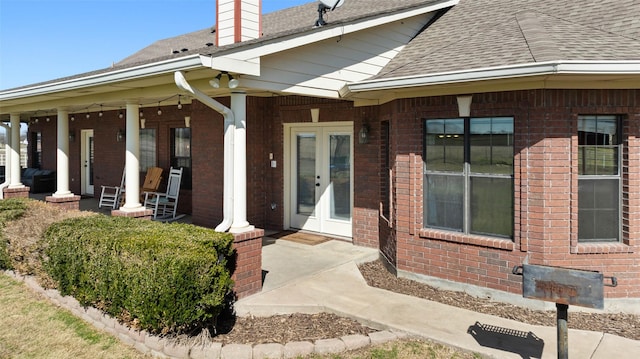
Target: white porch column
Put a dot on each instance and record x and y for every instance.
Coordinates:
(62, 169)
(15, 151)
(239, 109)
(132, 159)
(7, 156)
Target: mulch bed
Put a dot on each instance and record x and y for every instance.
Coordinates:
(624, 325)
(305, 327)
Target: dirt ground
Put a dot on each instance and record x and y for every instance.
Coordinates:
(302, 327)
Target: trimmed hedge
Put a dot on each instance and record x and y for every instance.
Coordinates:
(10, 209)
(163, 277)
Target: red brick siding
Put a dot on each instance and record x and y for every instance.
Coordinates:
(247, 273)
(545, 191)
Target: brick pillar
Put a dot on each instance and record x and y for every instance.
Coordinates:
(247, 273)
(20, 192)
(143, 213)
(67, 202)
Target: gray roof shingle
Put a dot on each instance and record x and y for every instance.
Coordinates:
(472, 34)
(294, 20)
(487, 33)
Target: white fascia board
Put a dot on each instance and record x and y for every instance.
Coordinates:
(329, 31)
(109, 77)
(230, 64)
(497, 73)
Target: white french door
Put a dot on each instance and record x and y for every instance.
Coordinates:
(86, 159)
(321, 178)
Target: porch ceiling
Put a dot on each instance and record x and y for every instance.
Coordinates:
(147, 91)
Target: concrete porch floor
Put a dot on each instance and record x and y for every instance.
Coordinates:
(91, 204)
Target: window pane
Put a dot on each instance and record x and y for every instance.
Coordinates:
(147, 148)
(598, 209)
(443, 203)
(182, 144)
(445, 145)
(492, 206)
(598, 160)
(181, 154)
(598, 140)
(491, 145)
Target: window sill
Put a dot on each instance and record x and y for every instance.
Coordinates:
(476, 240)
(602, 248)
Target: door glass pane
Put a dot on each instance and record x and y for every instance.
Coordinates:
(340, 176)
(492, 206)
(91, 155)
(444, 201)
(306, 174)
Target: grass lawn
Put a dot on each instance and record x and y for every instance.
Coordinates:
(32, 327)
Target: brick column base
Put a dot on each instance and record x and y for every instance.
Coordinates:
(247, 273)
(143, 213)
(68, 203)
(20, 192)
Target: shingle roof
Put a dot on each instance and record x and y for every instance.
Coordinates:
(472, 34)
(290, 21)
(487, 33)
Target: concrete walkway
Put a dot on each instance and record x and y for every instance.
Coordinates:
(325, 277)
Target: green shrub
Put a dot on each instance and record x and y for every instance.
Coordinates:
(166, 277)
(10, 209)
(5, 259)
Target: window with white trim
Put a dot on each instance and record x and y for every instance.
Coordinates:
(468, 175)
(599, 178)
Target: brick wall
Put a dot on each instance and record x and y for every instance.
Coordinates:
(247, 267)
(545, 218)
(109, 154)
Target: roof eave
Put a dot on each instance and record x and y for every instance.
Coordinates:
(496, 73)
(105, 78)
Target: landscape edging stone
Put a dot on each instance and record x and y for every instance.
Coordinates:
(160, 347)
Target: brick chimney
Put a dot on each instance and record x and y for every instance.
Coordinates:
(237, 21)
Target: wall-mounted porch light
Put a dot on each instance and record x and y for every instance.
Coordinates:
(120, 135)
(363, 135)
(142, 122)
(187, 121)
(72, 136)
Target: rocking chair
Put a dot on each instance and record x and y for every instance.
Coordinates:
(111, 195)
(151, 181)
(165, 205)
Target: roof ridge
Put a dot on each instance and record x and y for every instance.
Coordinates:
(541, 45)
